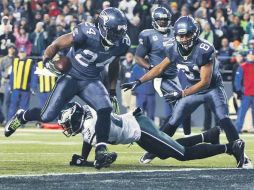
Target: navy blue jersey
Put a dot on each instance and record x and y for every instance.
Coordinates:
(203, 53)
(88, 55)
(153, 44)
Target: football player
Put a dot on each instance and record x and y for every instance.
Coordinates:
(152, 43)
(91, 48)
(136, 127)
(196, 57)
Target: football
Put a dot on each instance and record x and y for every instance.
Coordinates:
(63, 64)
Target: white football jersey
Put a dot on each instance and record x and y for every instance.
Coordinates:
(124, 129)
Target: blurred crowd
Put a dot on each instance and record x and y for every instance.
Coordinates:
(29, 26)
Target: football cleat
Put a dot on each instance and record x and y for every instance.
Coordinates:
(14, 123)
(247, 162)
(238, 152)
(103, 158)
(147, 158)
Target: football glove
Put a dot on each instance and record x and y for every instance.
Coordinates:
(173, 96)
(51, 67)
(114, 102)
(80, 161)
(131, 85)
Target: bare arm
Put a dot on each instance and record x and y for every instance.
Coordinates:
(156, 71)
(62, 42)
(142, 62)
(205, 79)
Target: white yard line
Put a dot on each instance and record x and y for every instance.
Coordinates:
(119, 172)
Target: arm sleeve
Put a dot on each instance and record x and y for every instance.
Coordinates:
(238, 79)
(208, 57)
(143, 46)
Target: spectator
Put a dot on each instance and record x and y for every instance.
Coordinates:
(207, 34)
(236, 32)
(20, 81)
(224, 55)
(250, 27)
(145, 94)
(53, 9)
(175, 13)
(38, 40)
(245, 89)
(128, 99)
(6, 36)
(5, 71)
(22, 40)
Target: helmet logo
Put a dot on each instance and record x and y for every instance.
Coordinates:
(182, 30)
(104, 17)
(124, 27)
(66, 114)
(160, 15)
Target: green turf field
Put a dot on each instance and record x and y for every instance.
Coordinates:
(39, 151)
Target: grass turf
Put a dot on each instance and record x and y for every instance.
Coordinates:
(38, 151)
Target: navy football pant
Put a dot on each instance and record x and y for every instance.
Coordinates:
(92, 92)
(217, 100)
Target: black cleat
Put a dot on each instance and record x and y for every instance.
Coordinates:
(103, 158)
(212, 135)
(147, 158)
(238, 152)
(14, 123)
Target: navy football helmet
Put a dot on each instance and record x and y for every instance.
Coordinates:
(161, 19)
(72, 118)
(186, 32)
(112, 25)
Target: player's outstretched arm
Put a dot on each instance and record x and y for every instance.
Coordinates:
(154, 72)
(62, 42)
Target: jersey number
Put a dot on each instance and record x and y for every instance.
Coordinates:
(86, 57)
(204, 46)
(186, 71)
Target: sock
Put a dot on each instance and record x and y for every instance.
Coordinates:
(230, 130)
(190, 141)
(169, 129)
(203, 151)
(102, 126)
(33, 114)
(229, 148)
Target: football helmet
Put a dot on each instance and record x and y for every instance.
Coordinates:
(72, 118)
(186, 32)
(161, 19)
(112, 25)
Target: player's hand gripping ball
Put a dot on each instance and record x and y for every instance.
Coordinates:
(63, 64)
